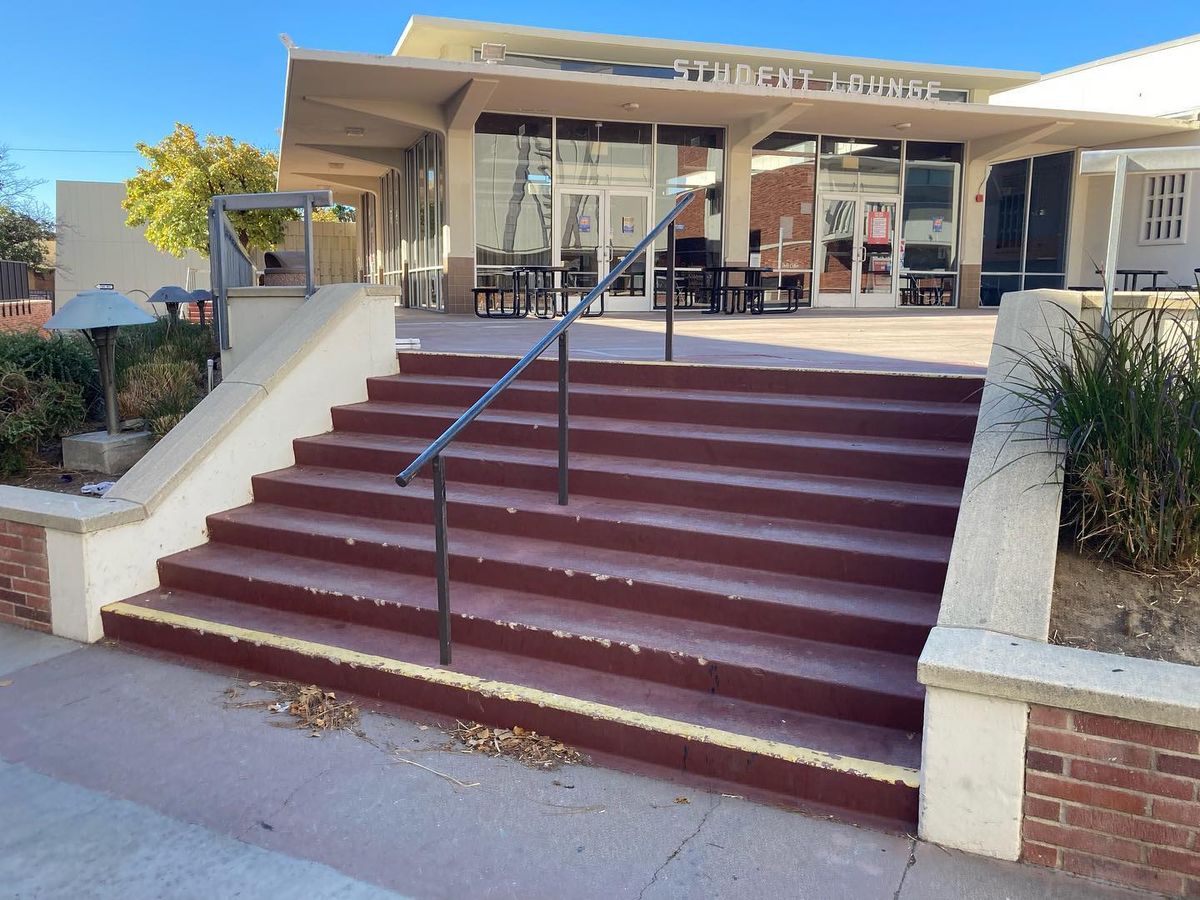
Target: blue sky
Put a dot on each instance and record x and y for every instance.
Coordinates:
(98, 76)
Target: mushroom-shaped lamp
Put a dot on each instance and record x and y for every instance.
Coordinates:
(98, 314)
(171, 295)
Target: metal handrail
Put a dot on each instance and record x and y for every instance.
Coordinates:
(433, 453)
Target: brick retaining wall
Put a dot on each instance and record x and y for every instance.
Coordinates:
(1113, 799)
(24, 575)
(19, 315)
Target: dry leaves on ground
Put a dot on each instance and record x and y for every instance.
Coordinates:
(527, 747)
(309, 706)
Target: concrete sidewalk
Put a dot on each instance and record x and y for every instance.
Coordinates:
(897, 340)
(124, 776)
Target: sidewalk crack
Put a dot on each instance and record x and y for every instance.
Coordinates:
(674, 853)
(912, 861)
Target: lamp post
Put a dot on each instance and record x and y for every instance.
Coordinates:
(99, 314)
(171, 296)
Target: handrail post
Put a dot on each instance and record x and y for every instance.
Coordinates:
(443, 562)
(669, 350)
(563, 430)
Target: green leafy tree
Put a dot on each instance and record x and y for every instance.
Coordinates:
(170, 195)
(339, 212)
(23, 236)
(25, 225)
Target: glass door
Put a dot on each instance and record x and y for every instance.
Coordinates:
(856, 252)
(837, 251)
(596, 228)
(877, 254)
(579, 234)
(628, 220)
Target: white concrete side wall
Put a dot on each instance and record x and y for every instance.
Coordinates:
(319, 358)
(1179, 260)
(95, 246)
(1157, 81)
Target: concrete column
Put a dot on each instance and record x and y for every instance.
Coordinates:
(735, 211)
(973, 772)
(459, 231)
(970, 251)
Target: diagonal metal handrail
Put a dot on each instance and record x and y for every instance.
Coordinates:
(432, 455)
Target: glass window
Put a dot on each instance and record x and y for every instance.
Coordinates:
(608, 153)
(512, 192)
(865, 165)
(688, 158)
(424, 163)
(1025, 219)
(782, 193)
(1049, 209)
(932, 183)
(1004, 216)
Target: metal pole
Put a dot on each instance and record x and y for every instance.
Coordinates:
(443, 562)
(563, 389)
(309, 272)
(669, 351)
(1114, 239)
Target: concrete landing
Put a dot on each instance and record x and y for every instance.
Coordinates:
(123, 776)
(897, 340)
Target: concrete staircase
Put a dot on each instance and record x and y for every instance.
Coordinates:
(737, 592)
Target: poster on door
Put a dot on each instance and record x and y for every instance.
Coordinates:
(626, 224)
(879, 226)
(585, 224)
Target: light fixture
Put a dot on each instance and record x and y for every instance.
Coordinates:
(631, 106)
(337, 165)
(98, 314)
(355, 131)
(492, 53)
(171, 295)
(902, 126)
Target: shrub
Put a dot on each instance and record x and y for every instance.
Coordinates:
(161, 392)
(33, 411)
(63, 357)
(164, 341)
(1126, 408)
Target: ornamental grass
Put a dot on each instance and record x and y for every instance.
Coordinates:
(1124, 406)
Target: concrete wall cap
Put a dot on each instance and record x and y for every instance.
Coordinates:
(982, 662)
(66, 512)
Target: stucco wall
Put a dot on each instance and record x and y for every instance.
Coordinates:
(1149, 82)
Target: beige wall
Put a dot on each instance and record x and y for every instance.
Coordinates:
(336, 249)
(95, 246)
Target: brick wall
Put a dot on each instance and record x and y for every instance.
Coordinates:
(1113, 799)
(24, 575)
(20, 315)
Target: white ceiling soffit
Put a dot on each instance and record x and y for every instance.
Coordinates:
(1145, 159)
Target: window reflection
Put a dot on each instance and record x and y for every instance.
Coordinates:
(608, 153)
(932, 181)
(512, 193)
(782, 194)
(860, 165)
(687, 158)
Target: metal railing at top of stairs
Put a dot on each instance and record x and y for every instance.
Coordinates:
(433, 453)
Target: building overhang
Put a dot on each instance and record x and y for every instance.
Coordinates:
(349, 116)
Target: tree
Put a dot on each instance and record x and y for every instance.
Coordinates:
(23, 236)
(25, 224)
(339, 212)
(171, 195)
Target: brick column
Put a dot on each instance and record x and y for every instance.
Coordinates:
(24, 575)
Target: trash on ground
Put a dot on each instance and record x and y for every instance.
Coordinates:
(310, 706)
(526, 747)
(99, 488)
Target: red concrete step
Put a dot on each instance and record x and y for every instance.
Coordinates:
(819, 413)
(883, 618)
(867, 555)
(929, 509)
(857, 770)
(791, 673)
(684, 376)
(922, 462)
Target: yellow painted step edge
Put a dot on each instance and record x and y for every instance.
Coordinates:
(865, 768)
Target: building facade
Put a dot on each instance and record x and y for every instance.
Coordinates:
(475, 148)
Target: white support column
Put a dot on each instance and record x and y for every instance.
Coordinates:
(973, 772)
(1114, 241)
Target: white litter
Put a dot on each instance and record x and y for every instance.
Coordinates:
(99, 488)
